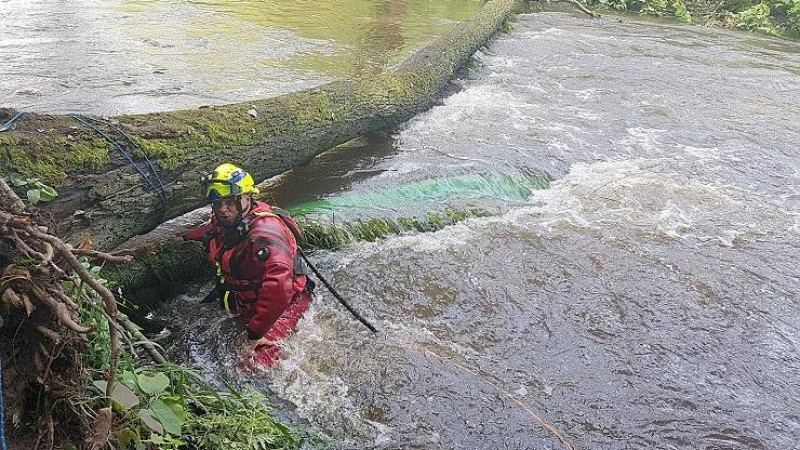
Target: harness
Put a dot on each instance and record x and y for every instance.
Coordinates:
(223, 290)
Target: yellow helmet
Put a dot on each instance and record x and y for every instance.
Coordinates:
(227, 180)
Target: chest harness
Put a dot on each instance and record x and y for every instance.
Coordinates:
(231, 238)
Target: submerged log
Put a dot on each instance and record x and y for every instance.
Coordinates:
(163, 264)
(103, 194)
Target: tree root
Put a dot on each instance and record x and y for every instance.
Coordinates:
(39, 266)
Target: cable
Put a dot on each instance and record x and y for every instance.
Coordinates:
(146, 177)
(7, 125)
(136, 146)
(336, 294)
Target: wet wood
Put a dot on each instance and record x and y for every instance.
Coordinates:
(103, 194)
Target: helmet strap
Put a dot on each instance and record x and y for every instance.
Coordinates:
(241, 210)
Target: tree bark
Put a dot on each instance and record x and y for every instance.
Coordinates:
(101, 192)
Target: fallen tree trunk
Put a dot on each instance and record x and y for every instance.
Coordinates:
(164, 264)
(103, 193)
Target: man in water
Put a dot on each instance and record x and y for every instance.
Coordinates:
(260, 276)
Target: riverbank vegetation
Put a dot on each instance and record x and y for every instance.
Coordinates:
(71, 358)
(774, 17)
(74, 367)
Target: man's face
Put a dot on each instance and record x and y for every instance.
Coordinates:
(226, 210)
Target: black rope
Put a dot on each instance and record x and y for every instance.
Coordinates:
(159, 190)
(336, 294)
(10, 122)
(136, 146)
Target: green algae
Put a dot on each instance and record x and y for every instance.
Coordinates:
(326, 235)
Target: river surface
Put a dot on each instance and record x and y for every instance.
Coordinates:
(648, 298)
(133, 56)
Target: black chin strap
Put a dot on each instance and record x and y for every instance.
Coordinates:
(241, 211)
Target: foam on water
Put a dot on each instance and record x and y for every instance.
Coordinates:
(655, 278)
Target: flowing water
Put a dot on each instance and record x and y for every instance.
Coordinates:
(133, 56)
(648, 298)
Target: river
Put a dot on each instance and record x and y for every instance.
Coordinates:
(647, 298)
(136, 56)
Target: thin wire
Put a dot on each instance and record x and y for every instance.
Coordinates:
(7, 126)
(547, 426)
(136, 146)
(126, 154)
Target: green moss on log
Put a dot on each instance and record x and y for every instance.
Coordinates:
(281, 133)
(156, 276)
(322, 235)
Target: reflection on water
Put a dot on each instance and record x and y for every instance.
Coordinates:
(125, 56)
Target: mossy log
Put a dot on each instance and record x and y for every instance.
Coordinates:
(101, 193)
(154, 276)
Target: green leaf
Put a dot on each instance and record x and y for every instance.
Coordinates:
(17, 180)
(121, 394)
(147, 418)
(171, 422)
(152, 385)
(34, 195)
(176, 408)
(125, 436)
(47, 192)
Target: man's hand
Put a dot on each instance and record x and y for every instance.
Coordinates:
(263, 342)
(249, 347)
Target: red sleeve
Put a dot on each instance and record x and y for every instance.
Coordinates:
(276, 291)
(199, 233)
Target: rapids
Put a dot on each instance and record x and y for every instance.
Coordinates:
(649, 298)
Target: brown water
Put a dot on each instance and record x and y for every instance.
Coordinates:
(648, 299)
(132, 56)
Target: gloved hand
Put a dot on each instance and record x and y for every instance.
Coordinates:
(263, 342)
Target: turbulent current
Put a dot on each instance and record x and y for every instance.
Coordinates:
(648, 297)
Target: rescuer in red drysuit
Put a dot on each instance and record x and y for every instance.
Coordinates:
(260, 276)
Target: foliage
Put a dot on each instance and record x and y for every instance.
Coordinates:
(236, 421)
(775, 17)
(147, 401)
(36, 190)
(167, 406)
(756, 17)
(170, 407)
(619, 5)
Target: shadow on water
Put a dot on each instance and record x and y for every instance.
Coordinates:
(331, 172)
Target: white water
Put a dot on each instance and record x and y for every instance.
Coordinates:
(650, 298)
